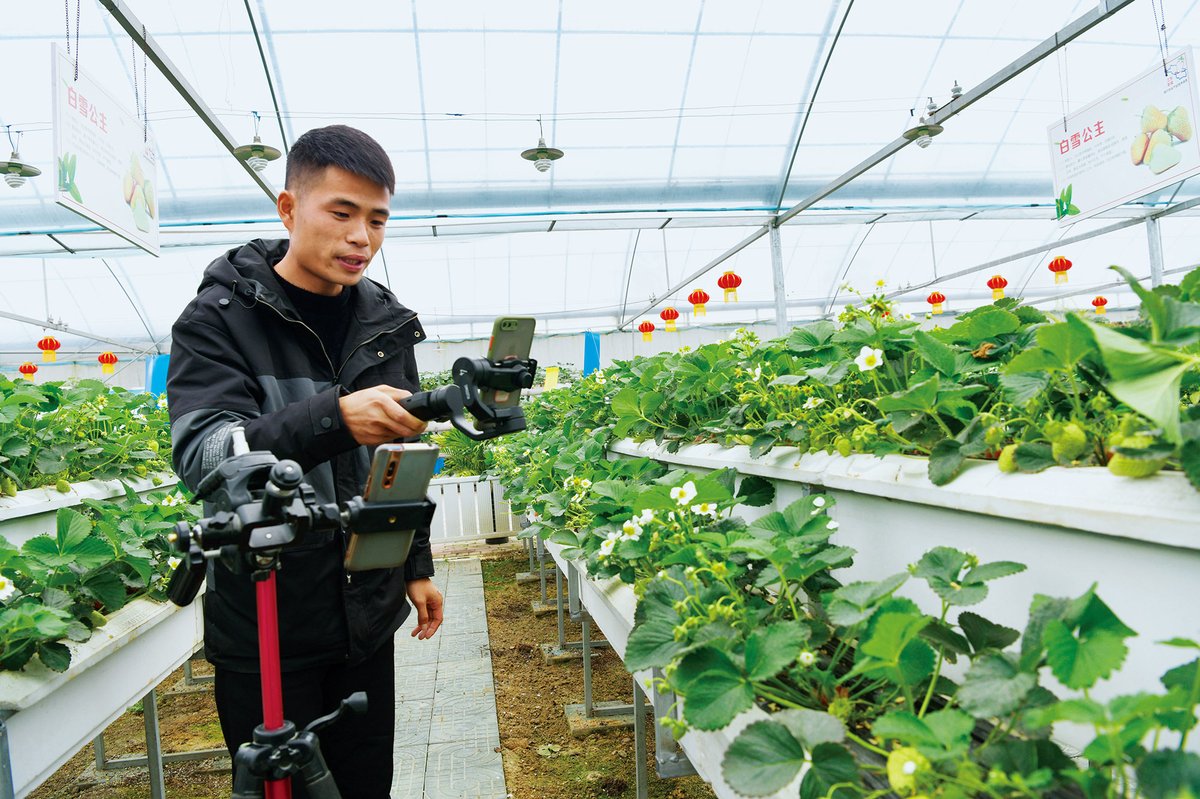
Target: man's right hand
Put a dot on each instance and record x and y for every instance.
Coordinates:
(374, 415)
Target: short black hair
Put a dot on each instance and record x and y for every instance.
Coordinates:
(341, 146)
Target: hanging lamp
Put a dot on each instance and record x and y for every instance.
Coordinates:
(543, 157)
(647, 330)
(669, 315)
(28, 369)
(16, 171)
(1099, 304)
(698, 298)
(108, 362)
(924, 131)
(256, 154)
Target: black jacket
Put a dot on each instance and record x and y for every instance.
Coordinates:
(241, 356)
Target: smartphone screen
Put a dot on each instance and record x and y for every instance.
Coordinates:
(512, 337)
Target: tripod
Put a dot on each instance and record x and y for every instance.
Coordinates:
(261, 507)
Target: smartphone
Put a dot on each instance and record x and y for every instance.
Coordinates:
(399, 473)
(512, 337)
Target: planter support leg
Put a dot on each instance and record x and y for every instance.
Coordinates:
(562, 651)
(592, 717)
(639, 741)
(669, 759)
(542, 606)
(98, 752)
(7, 790)
(158, 789)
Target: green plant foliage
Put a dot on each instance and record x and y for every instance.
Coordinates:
(75, 431)
(738, 614)
(94, 564)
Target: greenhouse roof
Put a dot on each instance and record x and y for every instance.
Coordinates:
(687, 127)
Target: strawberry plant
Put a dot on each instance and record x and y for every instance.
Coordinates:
(62, 586)
(60, 433)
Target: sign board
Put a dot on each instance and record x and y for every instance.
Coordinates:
(1139, 138)
(105, 169)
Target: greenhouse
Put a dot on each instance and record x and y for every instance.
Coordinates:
(559, 399)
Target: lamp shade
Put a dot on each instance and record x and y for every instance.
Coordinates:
(647, 330)
(669, 315)
(28, 369)
(1099, 304)
(698, 298)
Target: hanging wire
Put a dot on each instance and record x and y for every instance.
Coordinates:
(145, 92)
(257, 122)
(1064, 79)
(16, 145)
(1160, 32)
(67, 18)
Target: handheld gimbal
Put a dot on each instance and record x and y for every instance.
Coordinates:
(261, 506)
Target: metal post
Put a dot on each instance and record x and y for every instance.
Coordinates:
(542, 566)
(529, 548)
(154, 762)
(781, 322)
(574, 606)
(7, 790)
(639, 742)
(559, 601)
(587, 665)
(1154, 239)
(101, 759)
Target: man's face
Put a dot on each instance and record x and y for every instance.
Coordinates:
(336, 220)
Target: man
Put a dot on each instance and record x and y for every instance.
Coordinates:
(287, 340)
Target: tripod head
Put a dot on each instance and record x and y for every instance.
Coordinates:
(263, 506)
(472, 378)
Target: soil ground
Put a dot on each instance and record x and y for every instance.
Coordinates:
(541, 759)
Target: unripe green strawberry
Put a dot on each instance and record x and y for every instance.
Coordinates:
(8, 487)
(140, 470)
(994, 435)
(1123, 466)
(97, 618)
(1008, 459)
(152, 445)
(1069, 443)
(62, 486)
(903, 765)
(843, 447)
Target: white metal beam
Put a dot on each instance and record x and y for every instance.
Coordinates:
(1072, 31)
(781, 320)
(158, 57)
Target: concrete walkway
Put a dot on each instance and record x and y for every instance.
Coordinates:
(447, 736)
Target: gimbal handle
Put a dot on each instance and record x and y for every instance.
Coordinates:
(449, 403)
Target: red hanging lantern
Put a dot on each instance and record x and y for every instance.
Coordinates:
(107, 362)
(28, 369)
(1059, 267)
(669, 315)
(730, 282)
(997, 284)
(698, 298)
(1099, 304)
(49, 345)
(936, 299)
(647, 329)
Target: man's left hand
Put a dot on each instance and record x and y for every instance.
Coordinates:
(428, 601)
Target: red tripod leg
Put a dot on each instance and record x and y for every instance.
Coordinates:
(269, 668)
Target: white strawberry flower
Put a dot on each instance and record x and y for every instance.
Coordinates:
(806, 659)
(832, 525)
(7, 588)
(173, 561)
(758, 373)
(646, 517)
(685, 493)
(868, 358)
(705, 509)
(632, 531)
(585, 483)
(606, 547)
(813, 402)
(819, 502)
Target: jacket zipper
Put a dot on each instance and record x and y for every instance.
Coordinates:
(300, 322)
(360, 345)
